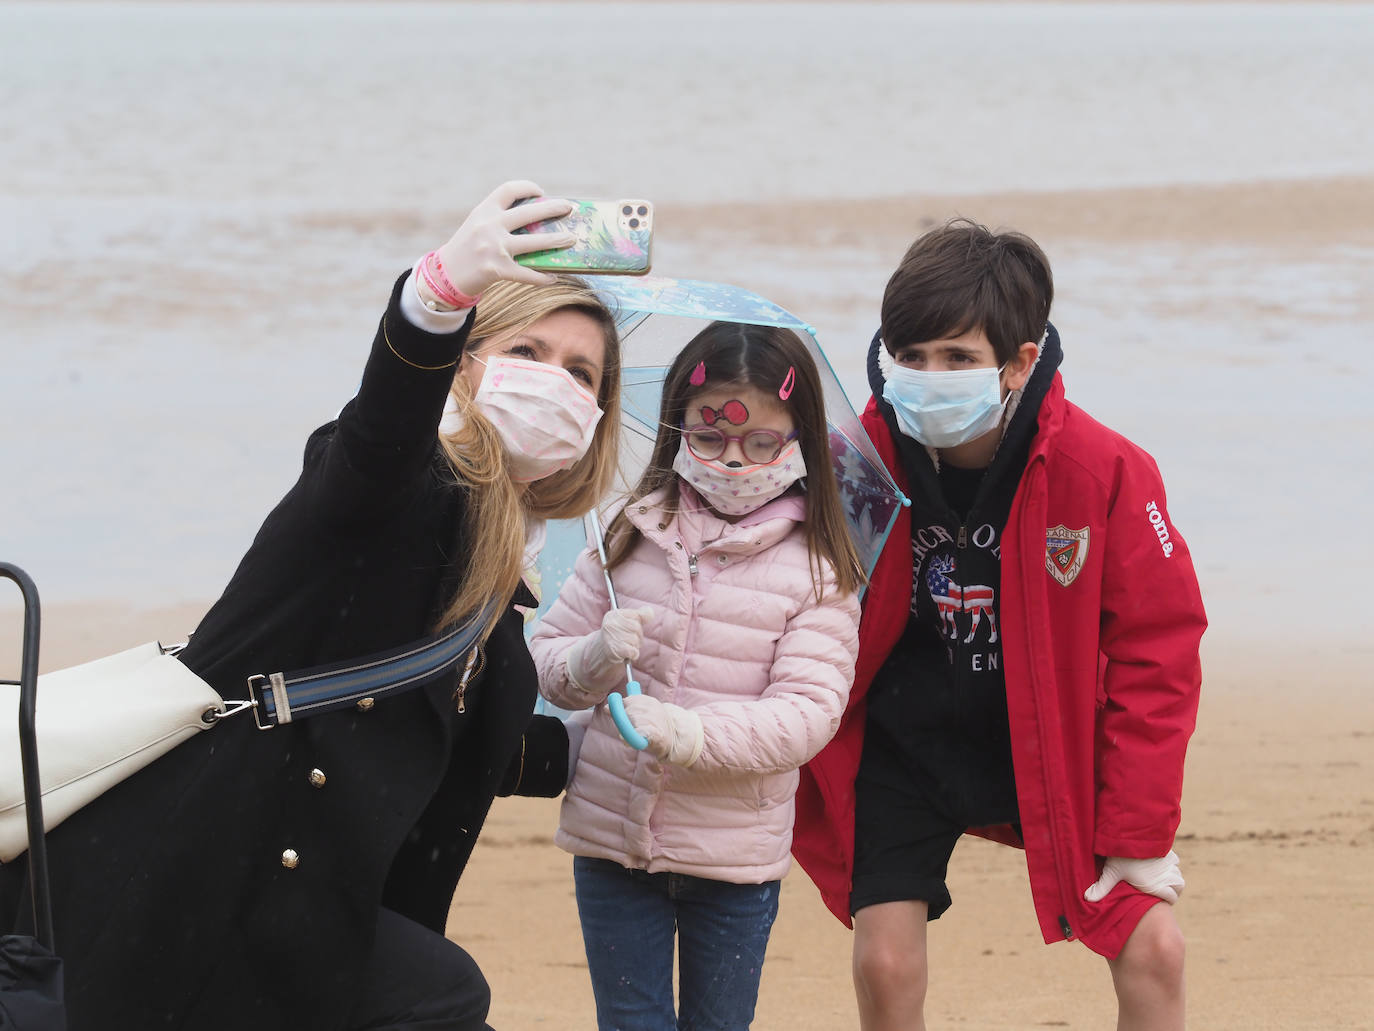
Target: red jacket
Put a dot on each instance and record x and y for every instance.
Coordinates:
(1101, 619)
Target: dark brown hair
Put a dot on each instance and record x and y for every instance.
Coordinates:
(963, 277)
(760, 357)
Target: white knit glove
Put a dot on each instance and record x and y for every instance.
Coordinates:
(675, 734)
(597, 662)
(484, 248)
(1159, 877)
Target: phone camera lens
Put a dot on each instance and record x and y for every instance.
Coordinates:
(627, 210)
(634, 223)
(642, 211)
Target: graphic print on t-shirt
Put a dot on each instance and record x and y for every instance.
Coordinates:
(954, 593)
(952, 598)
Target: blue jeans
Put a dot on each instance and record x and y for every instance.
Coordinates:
(628, 922)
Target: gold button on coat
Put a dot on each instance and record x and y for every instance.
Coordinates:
(290, 860)
(365, 703)
(317, 778)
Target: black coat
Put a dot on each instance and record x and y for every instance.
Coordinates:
(172, 902)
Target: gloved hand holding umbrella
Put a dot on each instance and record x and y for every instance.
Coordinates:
(614, 701)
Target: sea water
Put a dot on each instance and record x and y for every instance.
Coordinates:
(205, 204)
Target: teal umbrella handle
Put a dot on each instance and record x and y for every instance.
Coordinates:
(616, 704)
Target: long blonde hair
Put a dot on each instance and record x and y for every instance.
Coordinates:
(496, 508)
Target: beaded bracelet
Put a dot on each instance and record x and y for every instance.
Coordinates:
(432, 269)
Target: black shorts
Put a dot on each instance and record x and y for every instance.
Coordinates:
(902, 839)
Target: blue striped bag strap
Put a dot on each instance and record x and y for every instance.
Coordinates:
(278, 698)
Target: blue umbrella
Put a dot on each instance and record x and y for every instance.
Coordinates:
(656, 317)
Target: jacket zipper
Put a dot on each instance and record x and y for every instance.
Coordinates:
(1053, 831)
(688, 639)
(475, 659)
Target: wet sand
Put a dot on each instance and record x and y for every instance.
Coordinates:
(1277, 845)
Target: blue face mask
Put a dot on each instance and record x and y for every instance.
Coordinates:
(945, 409)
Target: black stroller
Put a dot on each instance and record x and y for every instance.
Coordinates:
(30, 971)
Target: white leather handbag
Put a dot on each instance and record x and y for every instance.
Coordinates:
(102, 721)
(99, 723)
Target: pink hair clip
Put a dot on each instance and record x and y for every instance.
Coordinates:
(789, 381)
(698, 376)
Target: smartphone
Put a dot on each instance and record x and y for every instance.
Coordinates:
(613, 238)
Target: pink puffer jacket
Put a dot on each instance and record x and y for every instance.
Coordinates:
(738, 637)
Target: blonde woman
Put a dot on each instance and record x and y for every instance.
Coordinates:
(301, 877)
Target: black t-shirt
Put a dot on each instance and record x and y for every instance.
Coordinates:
(960, 487)
(942, 691)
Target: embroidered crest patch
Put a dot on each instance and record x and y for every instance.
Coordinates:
(1065, 551)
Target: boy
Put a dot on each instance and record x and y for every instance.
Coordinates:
(1028, 667)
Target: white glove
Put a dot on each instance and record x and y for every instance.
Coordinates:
(483, 249)
(1159, 877)
(675, 734)
(597, 662)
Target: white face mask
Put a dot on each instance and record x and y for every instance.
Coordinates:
(945, 409)
(545, 417)
(737, 492)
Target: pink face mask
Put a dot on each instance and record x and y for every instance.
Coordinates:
(737, 492)
(545, 417)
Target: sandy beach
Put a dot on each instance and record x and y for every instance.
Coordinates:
(1277, 840)
(1277, 844)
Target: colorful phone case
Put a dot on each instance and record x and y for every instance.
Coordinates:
(613, 237)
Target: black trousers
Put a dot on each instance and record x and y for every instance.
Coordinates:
(418, 979)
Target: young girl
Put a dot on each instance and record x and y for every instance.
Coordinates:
(737, 582)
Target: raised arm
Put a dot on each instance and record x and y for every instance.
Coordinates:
(380, 453)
